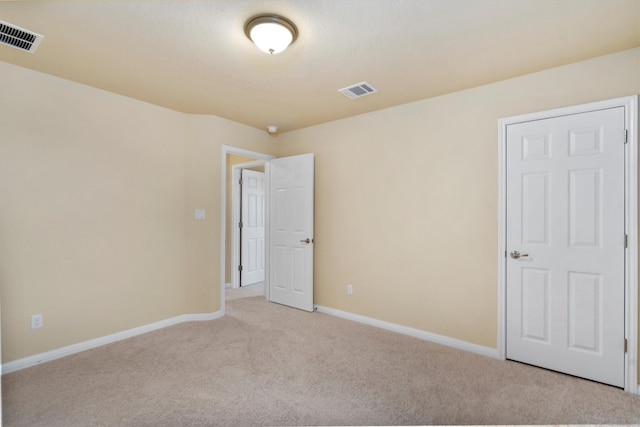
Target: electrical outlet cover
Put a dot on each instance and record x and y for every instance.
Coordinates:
(36, 321)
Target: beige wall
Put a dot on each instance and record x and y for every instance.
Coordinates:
(96, 219)
(407, 197)
(92, 219)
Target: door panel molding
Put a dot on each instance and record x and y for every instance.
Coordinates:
(253, 230)
(582, 144)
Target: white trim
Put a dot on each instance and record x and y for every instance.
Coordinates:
(502, 245)
(227, 149)
(630, 105)
(48, 356)
(631, 261)
(236, 170)
(267, 230)
(415, 333)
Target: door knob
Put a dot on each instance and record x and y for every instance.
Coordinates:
(516, 255)
(307, 241)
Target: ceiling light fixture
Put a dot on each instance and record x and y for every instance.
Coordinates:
(271, 33)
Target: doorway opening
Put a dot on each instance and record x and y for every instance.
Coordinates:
(289, 218)
(231, 160)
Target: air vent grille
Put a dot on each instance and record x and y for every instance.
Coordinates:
(358, 90)
(19, 38)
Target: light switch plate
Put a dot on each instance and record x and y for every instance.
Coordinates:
(200, 214)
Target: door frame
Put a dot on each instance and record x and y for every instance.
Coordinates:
(236, 170)
(227, 149)
(630, 104)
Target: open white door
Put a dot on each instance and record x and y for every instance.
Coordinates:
(252, 228)
(291, 231)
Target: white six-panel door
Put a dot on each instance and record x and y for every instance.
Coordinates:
(291, 188)
(253, 228)
(565, 218)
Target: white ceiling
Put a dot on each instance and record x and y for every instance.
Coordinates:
(193, 56)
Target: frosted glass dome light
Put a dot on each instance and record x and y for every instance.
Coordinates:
(271, 33)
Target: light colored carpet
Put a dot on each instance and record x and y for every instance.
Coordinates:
(264, 364)
(245, 291)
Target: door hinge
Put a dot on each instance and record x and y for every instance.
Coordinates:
(239, 268)
(625, 345)
(240, 181)
(240, 224)
(626, 241)
(626, 136)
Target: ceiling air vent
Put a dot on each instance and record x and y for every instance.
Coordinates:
(19, 38)
(356, 91)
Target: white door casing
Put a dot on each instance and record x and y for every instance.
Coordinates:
(568, 184)
(291, 188)
(253, 227)
(261, 158)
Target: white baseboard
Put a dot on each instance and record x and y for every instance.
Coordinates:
(416, 333)
(48, 356)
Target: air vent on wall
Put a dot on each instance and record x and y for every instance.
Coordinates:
(19, 38)
(358, 90)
